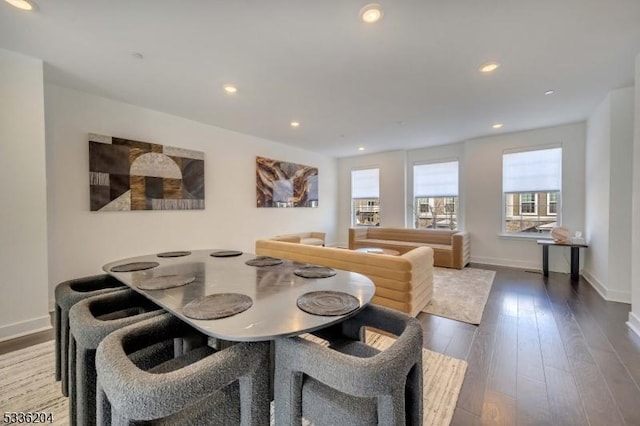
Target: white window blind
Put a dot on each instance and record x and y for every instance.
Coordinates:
(436, 180)
(532, 171)
(365, 183)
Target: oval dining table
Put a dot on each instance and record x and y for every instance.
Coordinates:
(274, 291)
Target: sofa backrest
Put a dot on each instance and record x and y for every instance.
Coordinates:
(434, 236)
(402, 269)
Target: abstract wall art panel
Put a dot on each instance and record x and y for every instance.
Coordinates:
(283, 184)
(132, 175)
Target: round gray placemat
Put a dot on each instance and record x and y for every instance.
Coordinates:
(264, 261)
(134, 266)
(328, 303)
(174, 254)
(217, 306)
(164, 282)
(314, 272)
(226, 253)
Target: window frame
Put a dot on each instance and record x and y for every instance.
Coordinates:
(415, 214)
(371, 202)
(554, 202)
(536, 204)
(558, 215)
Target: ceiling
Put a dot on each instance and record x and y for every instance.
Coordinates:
(408, 81)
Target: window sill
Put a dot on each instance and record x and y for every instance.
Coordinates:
(524, 237)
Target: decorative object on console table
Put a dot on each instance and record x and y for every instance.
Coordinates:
(132, 175)
(283, 184)
(560, 234)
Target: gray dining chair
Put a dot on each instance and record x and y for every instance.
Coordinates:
(350, 382)
(143, 378)
(90, 321)
(67, 294)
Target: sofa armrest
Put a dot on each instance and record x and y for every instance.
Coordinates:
(287, 238)
(319, 235)
(356, 234)
(461, 248)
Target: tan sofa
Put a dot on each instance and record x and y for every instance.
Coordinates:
(451, 249)
(309, 238)
(402, 282)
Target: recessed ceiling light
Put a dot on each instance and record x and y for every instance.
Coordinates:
(230, 88)
(497, 125)
(549, 92)
(20, 4)
(295, 124)
(361, 148)
(489, 67)
(371, 13)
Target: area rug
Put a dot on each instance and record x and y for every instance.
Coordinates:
(27, 383)
(460, 294)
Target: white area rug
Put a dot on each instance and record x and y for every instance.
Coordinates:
(27, 382)
(460, 294)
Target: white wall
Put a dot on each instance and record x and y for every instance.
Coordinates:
(608, 203)
(23, 227)
(392, 194)
(81, 241)
(597, 177)
(480, 191)
(483, 189)
(634, 315)
(620, 200)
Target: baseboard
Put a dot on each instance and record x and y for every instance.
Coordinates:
(19, 329)
(606, 293)
(634, 323)
(510, 263)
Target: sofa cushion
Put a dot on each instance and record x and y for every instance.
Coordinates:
(451, 248)
(312, 241)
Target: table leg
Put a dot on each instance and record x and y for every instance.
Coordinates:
(545, 260)
(575, 263)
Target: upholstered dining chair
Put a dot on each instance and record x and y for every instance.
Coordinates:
(67, 294)
(90, 321)
(349, 382)
(144, 378)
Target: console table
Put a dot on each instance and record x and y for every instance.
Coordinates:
(575, 256)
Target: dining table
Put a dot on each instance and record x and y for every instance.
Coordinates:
(251, 298)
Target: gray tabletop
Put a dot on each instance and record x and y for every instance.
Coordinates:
(273, 289)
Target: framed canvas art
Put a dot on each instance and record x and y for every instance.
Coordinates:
(132, 175)
(284, 184)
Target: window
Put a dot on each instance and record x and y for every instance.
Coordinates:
(528, 203)
(365, 197)
(552, 203)
(531, 185)
(435, 194)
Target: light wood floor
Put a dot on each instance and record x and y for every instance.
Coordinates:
(548, 352)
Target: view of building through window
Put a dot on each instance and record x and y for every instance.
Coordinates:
(436, 212)
(531, 211)
(366, 211)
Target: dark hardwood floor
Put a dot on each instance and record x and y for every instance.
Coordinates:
(547, 352)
